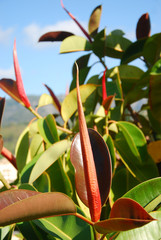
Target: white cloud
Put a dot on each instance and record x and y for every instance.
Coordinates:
(33, 31)
(5, 35)
(7, 73)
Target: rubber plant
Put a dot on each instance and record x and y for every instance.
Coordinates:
(92, 162)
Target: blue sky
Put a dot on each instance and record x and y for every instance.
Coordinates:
(41, 62)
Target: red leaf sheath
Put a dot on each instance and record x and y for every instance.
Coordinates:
(94, 199)
(19, 82)
(55, 99)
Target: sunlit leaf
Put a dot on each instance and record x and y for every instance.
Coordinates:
(125, 214)
(24, 205)
(69, 105)
(156, 69)
(94, 20)
(48, 158)
(54, 36)
(143, 26)
(75, 44)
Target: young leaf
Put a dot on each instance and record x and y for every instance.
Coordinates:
(94, 20)
(55, 36)
(143, 26)
(25, 205)
(55, 99)
(2, 103)
(102, 161)
(75, 20)
(125, 214)
(93, 193)
(19, 82)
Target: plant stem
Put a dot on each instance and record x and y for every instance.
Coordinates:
(84, 219)
(4, 181)
(64, 130)
(34, 112)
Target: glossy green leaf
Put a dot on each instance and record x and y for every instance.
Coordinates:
(134, 51)
(36, 145)
(98, 45)
(6, 233)
(102, 162)
(154, 96)
(69, 105)
(108, 140)
(24, 205)
(150, 231)
(43, 183)
(22, 147)
(55, 36)
(44, 100)
(75, 44)
(94, 20)
(125, 214)
(131, 145)
(82, 63)
(146, 192)
(66, 227)
(2, 104)
(116, 45)
(152, 49)
(47, 129)
(9, 86)
(156, 69)
(48, 158)
(83, 73)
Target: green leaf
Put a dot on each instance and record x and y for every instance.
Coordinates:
(48, 158)
(151, 231)
(125, 214)
(66, 227)
(108, 140)
(102, 162)
(82, 63)
(134, 51)
(75, 44)
(36, 145)
(69, 105)
(156, 69)
(44, 100)
(47, 129)
(131, 145)
(98, 45)
(116, 45)
(22, 147)
(83, 75)
(152, 49)
(6, 233)
(146, 192)
(24, 205)
(94, 20)
(154, 96)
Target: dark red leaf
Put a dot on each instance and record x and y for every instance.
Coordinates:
(107, 103)
(102, 164)
(2, 103)
(55, 36)
(55, 99)
(143, 27)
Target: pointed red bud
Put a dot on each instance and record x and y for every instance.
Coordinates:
(93, 193)
(19, 82)
(143, 27)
